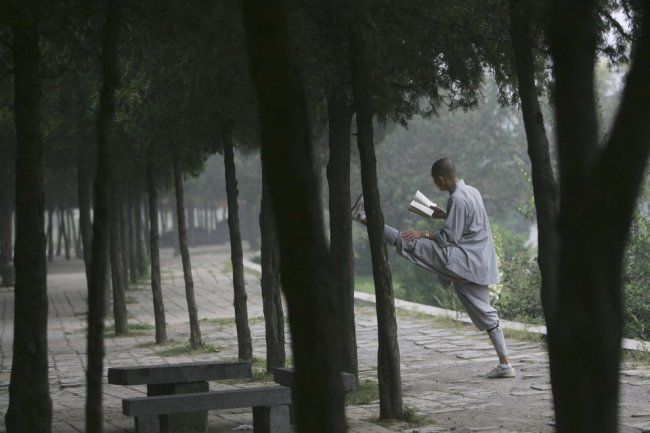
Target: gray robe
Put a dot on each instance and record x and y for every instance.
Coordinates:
(465, 242)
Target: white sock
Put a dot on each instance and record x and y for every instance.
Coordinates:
(504, 366)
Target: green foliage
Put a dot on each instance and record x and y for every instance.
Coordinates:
(517, 296)
(188, 349)
(636, 293)
(366, 393)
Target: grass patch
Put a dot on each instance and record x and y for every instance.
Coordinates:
(524, 335)
(131, 300)
(132, 329)
(364, 283)
(410, 419)
(227, 267)
(149, 344)
(230, 321)
(366, 393)
(188, 349)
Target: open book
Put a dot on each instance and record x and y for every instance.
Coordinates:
(421, 205)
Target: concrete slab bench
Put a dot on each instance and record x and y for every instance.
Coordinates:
(177, 379)
(285, 376)
(270, 407)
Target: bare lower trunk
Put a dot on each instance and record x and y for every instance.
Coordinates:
(97, 286)
(241, 312)
(117, 264)
(585, 326)
(6, 232)
(195, 331)
(85, 224)
(306, 269)
(50, 234)
(30, 407)
(73, 233)
(545, 187)
(140, 260)
(270, 282)
(338, 176)
(154, 248)
(130, 232)
(388, 368)
(61, 233)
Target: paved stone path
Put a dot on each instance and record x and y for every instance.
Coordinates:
(442, 363)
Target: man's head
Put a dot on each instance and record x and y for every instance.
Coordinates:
(444, 174)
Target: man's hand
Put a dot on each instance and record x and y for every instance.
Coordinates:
(411, 235)
(438, 213)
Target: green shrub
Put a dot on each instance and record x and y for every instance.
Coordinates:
(636, 279)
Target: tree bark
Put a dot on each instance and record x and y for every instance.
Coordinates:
(270, 282)
(585, 327)
(72, 231)
(195, 331)
(85, 224)
(6, 232)
(154, 248)
(50, 233)
(99, 258)
(388, 368)
(244, 342)
(140, 260)
(306, 269)
(338, 177)
(30, 406)
(130, 232)
(117, 262)
(61, 233)
(545, 187)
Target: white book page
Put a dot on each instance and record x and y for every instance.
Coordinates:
(421, 198)
(418, 207)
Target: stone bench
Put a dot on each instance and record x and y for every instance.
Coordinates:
(177, 379)
(285, 376)
(270, 407)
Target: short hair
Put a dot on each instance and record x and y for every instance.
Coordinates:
(443, 167)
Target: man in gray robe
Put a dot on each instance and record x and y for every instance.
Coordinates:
(461, 252)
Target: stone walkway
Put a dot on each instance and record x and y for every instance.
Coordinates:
(442, 362)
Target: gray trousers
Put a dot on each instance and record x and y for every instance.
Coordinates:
(428, 254)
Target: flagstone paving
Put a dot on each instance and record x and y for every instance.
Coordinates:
(442, 362)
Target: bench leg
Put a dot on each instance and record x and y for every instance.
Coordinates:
(147, 424)
(271, 419)
(189, 422)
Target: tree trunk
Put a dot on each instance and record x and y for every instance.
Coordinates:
(306, 269)
(236, 256)
(195, 331)
(30, 406)
(6, 232)
(73, 234)
(140, 260)
(585, 326)
(545, 187)
(117, 262)
(66, 232)
(130, 233)
(388, 368)
(50, 233)
(61, 233)
(85, 224)
(338, 177)
(99, 262)
(154, 248)
(270, 282)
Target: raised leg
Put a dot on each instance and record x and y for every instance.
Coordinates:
(273, 419)
(147, 424)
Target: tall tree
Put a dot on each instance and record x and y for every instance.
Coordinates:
(304, 259)
(154, 251)
(102, 220)
(270, 282)
(599, 185)
(195, 331)
(30, 406)
(118, 271)
(388, 369)
(244, 342)
(545, 187)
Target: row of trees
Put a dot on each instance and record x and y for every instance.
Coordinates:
(173, 85)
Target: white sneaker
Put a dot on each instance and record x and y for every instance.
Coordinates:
(499, 372)
(358, 211)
